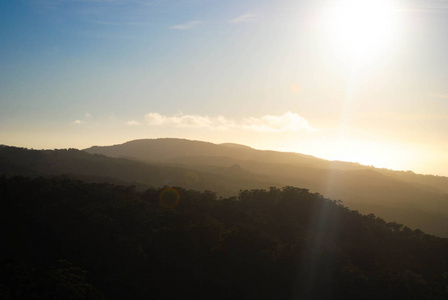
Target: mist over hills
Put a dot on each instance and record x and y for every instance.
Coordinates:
(419, 201)
(182, 150)
(99, 168)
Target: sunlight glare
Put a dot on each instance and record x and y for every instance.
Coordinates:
(369, 153)
(361, 30)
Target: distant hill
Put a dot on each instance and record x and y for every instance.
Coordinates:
(394, 196)
(166, 149)
(419, 201)
(181, 150)
(99, 168)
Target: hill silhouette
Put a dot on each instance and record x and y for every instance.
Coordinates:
(167, 149)
(171, 149)
(419, 201)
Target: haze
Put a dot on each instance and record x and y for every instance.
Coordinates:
(360, 81)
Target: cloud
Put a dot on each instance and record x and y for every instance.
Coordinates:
(289, 121)
(133, 123)
(180, 120)
(286, 122)
(186, 26)
(246, 18)
(87, 117)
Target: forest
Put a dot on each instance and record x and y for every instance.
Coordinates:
(64, 238)
(418, 201)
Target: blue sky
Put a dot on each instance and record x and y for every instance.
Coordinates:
(268, 74)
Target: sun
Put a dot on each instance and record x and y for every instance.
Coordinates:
(361, 30)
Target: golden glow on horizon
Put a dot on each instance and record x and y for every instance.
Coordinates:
(361, 30)
(371, 153)
(368, 153)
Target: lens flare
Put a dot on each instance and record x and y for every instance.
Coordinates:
(169, 197)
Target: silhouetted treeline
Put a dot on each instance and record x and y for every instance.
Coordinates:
(66, 239)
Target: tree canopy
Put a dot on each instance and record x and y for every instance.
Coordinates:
(96, 240)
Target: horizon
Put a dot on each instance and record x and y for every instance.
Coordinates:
(357, 81)
(224, 143)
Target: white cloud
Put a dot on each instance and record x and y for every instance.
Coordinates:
(287, 122)
(87, 116)
(186, 26)
(246, 18)
(179, 120)
(133, 123)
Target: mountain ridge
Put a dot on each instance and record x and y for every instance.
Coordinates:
(410, 202)
(166, 148)
(315, 161)
(405, 197)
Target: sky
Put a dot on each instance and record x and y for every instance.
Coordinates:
(353, 80)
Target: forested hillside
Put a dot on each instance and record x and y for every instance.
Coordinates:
(99, 168)
(418, 201)
(66, 239)
(414, 204)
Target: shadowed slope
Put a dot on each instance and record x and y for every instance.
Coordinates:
(99, 168)
(395, 196)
